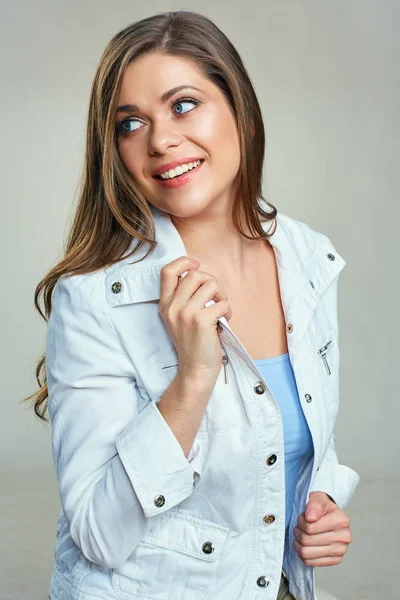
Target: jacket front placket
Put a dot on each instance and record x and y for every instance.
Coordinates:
(300, 293)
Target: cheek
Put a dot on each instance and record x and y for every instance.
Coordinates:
(228, 142)
(129, 157)
(219, 136)
(123, 152)
(218, 127)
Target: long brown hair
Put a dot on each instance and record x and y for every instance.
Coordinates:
(110, 208)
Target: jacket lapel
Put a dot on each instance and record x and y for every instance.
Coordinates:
(307, 264)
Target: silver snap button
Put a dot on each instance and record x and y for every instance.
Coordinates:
(312, 284)
(116, 287)
(159, 500)
(208, 547)
(308, 398)
(271, 460)
(331, 256)
(262, 581)
(289, 327)
(259, 388)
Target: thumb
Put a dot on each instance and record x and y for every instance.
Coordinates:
(314, 510)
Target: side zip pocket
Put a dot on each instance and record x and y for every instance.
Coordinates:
(322, 352)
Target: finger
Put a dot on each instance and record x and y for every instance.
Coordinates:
(197, 285)
(210, 290)
(322, 539)
(332, 521)
(312, 552)
(326, 561)
(169, 276)
(316, 539)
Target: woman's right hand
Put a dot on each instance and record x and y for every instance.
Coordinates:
(191, 326)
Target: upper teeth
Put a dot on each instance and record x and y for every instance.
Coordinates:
(179, 170)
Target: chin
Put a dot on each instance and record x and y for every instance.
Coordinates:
(182, 208)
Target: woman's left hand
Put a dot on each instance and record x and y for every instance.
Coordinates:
(322, 533)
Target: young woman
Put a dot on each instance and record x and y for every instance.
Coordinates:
(192, 349)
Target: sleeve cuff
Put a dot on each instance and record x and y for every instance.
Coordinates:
(155, 462)
(338, 481)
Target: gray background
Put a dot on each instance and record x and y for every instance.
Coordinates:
(327, 77)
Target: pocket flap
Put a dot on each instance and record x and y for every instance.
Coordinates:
(187, 534)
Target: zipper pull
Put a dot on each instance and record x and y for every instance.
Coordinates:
(322, 353)
(225, 361)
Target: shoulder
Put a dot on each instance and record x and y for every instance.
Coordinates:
(306, 240)
(92, 287)
(84, 288)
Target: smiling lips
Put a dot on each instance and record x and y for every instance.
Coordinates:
(180, 175)
(179, 170)
(175, 163)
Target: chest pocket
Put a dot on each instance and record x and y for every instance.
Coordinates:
(177, 559)
(225, 411)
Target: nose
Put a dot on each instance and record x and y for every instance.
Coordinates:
(163, 137)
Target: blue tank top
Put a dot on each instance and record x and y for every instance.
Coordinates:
(278, 374)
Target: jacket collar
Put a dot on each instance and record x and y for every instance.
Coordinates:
(307, 263)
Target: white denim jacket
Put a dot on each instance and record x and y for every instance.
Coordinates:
(141, 521)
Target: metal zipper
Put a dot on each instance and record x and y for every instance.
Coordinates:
(225, 361)
(322, 353)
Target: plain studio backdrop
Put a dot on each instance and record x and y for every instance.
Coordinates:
(327, 77)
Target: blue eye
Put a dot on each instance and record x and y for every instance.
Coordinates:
(185, 101)
(123, 126)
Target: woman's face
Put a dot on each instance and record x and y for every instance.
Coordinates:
(189, 124)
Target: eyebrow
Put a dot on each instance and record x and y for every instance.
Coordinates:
(166, 96)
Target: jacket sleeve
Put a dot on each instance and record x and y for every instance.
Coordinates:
(336, 480)
(113, 457)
